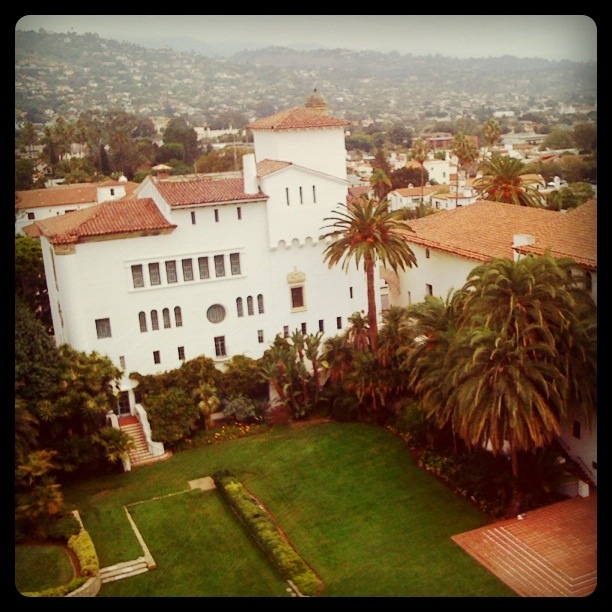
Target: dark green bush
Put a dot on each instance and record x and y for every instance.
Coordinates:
(262, 527)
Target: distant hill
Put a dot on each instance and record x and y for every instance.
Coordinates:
(71, 73)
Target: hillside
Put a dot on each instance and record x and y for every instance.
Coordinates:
(69, 73)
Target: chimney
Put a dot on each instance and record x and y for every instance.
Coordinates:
(520, 240)
(249, 173)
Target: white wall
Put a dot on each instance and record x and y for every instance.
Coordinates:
(321, 149)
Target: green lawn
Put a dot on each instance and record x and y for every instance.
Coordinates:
(349, 496)
(41, 567)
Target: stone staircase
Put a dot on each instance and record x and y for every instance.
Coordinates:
(125, 569)
(140, 454)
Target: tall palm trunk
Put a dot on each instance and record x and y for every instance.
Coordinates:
(372, 320)
(516, 498)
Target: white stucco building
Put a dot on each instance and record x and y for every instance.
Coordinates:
(213, 265)
(449, 244)
(36, 204)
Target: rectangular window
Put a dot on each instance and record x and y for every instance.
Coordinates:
(220, 346)
(122, 362)
(203, 265)
(260, 336)
(338, 322)
(193, 217)
(429, 289)
(287, 195)
(297, 297)
(30, 216)
(156, 357)
(239, 213)
(171, 272)
(216, 215)
(314, 194)
(103, 328)
(219, 265)
(301, 196)
(321, 325)
(304, 328)
(351, 292)
(286, 331)
(181, 353)
(137, 276)
(154, 276)
(112, 191)
(235, 263)
(187, 270)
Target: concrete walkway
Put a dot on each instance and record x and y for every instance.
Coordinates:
(549, 552)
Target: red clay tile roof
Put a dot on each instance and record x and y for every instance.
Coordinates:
(574, 235)
(62, 195)
(199, 190)
(407, 192)
(110, 218)
(485, 230)
(297, 118)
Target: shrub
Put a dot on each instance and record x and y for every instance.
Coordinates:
(262, 527)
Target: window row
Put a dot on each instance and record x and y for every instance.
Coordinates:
(249, 304)
(188, 272)
(178, 319)
(216, 214)
(301, 195)
(304, 327)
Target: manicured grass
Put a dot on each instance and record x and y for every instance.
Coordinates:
(39, 567)
(349, 496)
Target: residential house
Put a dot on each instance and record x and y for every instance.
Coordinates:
(449, 244)
(36, 204)
(213, 265)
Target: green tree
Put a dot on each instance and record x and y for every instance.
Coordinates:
(38, 363)
(72, 417)
(569, 197)
(466, 152)
(380, 183)
(585, 136)
(522, 361)
(505, 179)
(558, 139)
(402, 177)
(24, 171)
(179, 131)
(420, 153)
(366, 230)
(173, 415)
(491, 131)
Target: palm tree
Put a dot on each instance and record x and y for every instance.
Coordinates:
(358, 332)
(505, 179)
(380, 183)
(524, 361)
(466, 152)
(491, 132)
(368, 230)
(420, 154)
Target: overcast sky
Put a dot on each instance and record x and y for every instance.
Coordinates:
(553, 37)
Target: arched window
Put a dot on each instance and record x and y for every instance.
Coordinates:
(260, 306)
(166, 317)
(239, 307)
(154, 320)
(250, 305)
(178, 317)
(142, 319)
